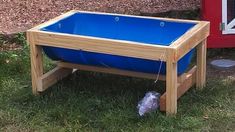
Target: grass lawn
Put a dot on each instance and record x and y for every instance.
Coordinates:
(87, 101)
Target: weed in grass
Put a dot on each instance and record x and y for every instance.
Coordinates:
(20, 39)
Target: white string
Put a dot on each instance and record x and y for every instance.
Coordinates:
(160, 67)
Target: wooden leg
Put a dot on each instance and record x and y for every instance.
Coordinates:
(171, 88)
(36, 62)
(185, 82)
(40, 81)
(201, 65)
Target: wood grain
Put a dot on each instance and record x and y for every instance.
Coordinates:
(190, 39)
(36, 61)
(51, 77)
(171, 84)
(101, 45)
(111, 71)
(145, 17)
(201, 64)
(182, 87)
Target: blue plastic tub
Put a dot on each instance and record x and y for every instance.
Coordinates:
(143, 30)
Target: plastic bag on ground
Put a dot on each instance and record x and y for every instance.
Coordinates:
(149, 103)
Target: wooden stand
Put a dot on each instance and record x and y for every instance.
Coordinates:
(176, 86)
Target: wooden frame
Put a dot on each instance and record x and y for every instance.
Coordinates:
(175, 85)
(227, 27)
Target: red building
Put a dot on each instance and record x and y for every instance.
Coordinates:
(221, 14)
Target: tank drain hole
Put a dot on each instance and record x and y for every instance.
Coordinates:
(116, 19)
(162, 24)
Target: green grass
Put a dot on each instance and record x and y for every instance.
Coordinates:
(88, 101)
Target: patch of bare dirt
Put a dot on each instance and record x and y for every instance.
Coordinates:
(10, 47)
(20, 15)
(220, 73)
(213, 72)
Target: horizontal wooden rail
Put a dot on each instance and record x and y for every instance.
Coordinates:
(101, 45)
(110, 71)
(191, 39)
